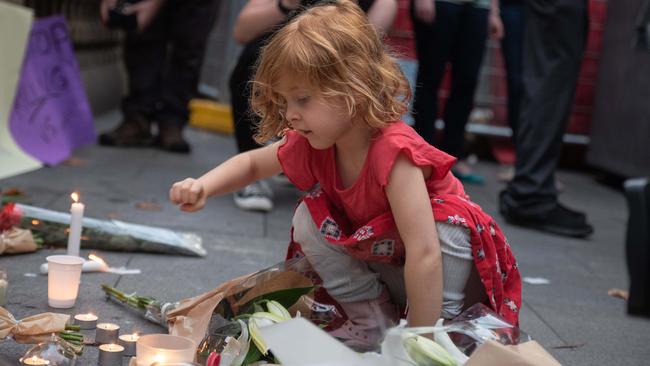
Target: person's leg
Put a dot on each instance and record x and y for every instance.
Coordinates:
(554, 44)
(258, 195)
(512, 15)
(144, 60)
(433, 44)
(350, 282)
(466, 59)
(190, 24)
(457, 265)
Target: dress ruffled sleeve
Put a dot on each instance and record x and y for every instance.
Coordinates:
(415, 148)
(295, 156)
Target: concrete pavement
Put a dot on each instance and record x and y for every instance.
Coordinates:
(572, 317)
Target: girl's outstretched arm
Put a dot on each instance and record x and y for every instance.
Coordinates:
(411, 208)
(233, 174)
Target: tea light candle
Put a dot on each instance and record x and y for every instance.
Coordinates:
(86, 321)
(76, 218)
(106, 333)
(128, 341)
(110, 355)
(35, 360)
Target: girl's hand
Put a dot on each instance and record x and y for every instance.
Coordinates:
(425, 10)
(190, 194)
(495, 26)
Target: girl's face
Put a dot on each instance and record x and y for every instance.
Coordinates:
(323, 122)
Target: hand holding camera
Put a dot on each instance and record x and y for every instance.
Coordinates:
(129, 14)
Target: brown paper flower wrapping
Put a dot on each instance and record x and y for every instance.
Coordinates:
(192, 317)
(33, 329)
(15, 240)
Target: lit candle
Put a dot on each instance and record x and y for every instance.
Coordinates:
(154, 348)
(63, 276)
(110, 355)
(129, 341)
(76, 217)
(35, 360)
(86, 321)
(106, 333)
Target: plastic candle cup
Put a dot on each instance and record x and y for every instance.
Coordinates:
(154, 348)
(86, 321)
(106, 333)
(110, 355)
(64, 274)
(128, 341)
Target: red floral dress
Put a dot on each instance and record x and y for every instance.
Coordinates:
(359, 219)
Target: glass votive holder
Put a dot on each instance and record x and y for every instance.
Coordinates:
(63, 277)
(164, 348)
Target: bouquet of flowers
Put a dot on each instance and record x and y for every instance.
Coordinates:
(14, 240)
(115, 235)
(225, 321)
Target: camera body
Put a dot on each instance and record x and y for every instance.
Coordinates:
(117, 18)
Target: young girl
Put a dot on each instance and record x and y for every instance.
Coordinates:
(386, 222)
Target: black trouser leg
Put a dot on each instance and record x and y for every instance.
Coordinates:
(433, 45)
(190, 22)
(512, 15)
(554, 44)
(144, 59)
(245, 121)
(466, 59)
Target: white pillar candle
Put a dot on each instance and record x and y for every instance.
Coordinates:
(35, 360)
(86, 321)
(110, 355)
(106, 333)
(153, 348)
(129, 341)
(76, 217)
(64, 274)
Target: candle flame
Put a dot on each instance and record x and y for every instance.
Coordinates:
(35, 222)
(75, 197)
(159, 358)
(97, 259)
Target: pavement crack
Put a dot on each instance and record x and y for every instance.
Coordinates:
(565, 344)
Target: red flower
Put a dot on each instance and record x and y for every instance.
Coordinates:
(214, 359)
(9, 216)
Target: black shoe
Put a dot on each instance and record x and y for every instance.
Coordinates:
(134, 131)
(170, 138)
(560, 220)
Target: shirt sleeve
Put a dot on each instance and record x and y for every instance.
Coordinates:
(295, 156)
(418, 151)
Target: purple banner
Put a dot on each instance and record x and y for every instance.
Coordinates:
(51, 115)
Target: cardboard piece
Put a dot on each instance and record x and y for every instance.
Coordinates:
(530, 353)
(15, 22)
(51, 115)
(298, 342)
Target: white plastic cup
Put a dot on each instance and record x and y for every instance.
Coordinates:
(63, 277)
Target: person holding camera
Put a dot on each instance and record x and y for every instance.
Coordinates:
(163, 50)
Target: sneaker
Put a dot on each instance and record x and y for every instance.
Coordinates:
(282, 179)
(561, 220)
(134, 131)
(170, 138)
(254, 197)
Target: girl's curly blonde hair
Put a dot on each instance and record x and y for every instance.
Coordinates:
(334, 49)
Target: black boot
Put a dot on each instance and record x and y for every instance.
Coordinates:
(170, 138)
(560, 220)
(134, 131)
